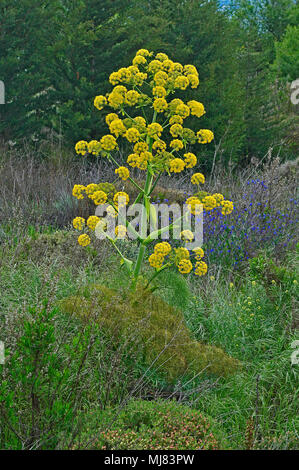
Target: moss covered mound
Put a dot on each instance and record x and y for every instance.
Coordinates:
(148, 323)
(143, 425)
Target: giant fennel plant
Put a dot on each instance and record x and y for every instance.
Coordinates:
(150, 116)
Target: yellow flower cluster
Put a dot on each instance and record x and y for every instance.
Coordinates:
(196, 108)
(200, 268)
(132, 134)
(181, 253)
(78, 223)
(161, 250)
(205, 136)
(190, 160)
(99, 197)
(120, 231)
(117, 127)
(121, 199)
(227, 207)
(78, 189)
(194, 205)
(122, 172)
(197, 178)
(187, 236)
(81, 147)
(156, 260)
(199, 253)
(185, 266)
(100, 101)
(84, 240)
(209, 203)
(176, 165)
(108, 142)
(92, 222)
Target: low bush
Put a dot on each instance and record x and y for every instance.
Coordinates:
(143, 425)
(156, 327)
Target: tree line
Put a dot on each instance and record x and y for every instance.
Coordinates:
(55, 56)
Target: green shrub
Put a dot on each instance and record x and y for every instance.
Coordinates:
(155, 327)
(143, 425)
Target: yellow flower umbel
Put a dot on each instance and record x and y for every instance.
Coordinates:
(190, 160)
(121, 231)
(156, 260)
(99, 197)
(199, 253)
(78, 223)
(121, 199)
(92, 222)
(84, 240)
(205, 136)
(163, 248)
(100, 101)
(197, 178)
(122, 172)
(176, 165)
(227, 207)
(108, 142)
(81, 147)
(78, 189)
(187, 236)
(201, 268)
(185, 266)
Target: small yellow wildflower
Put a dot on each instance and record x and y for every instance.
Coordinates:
(227, 207)
(154, 129)
(176, 144)
(194, 205)
(176, 119)
(176, 130)
(181, 82)
(199, 253)
(110, 118)
(197, 109)
(209, 203)
(181, 253)
(117, 127)
(132, 97)
(193, 80)
(162, 248)
(159, 91)
(94, 147)
(160, 105)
